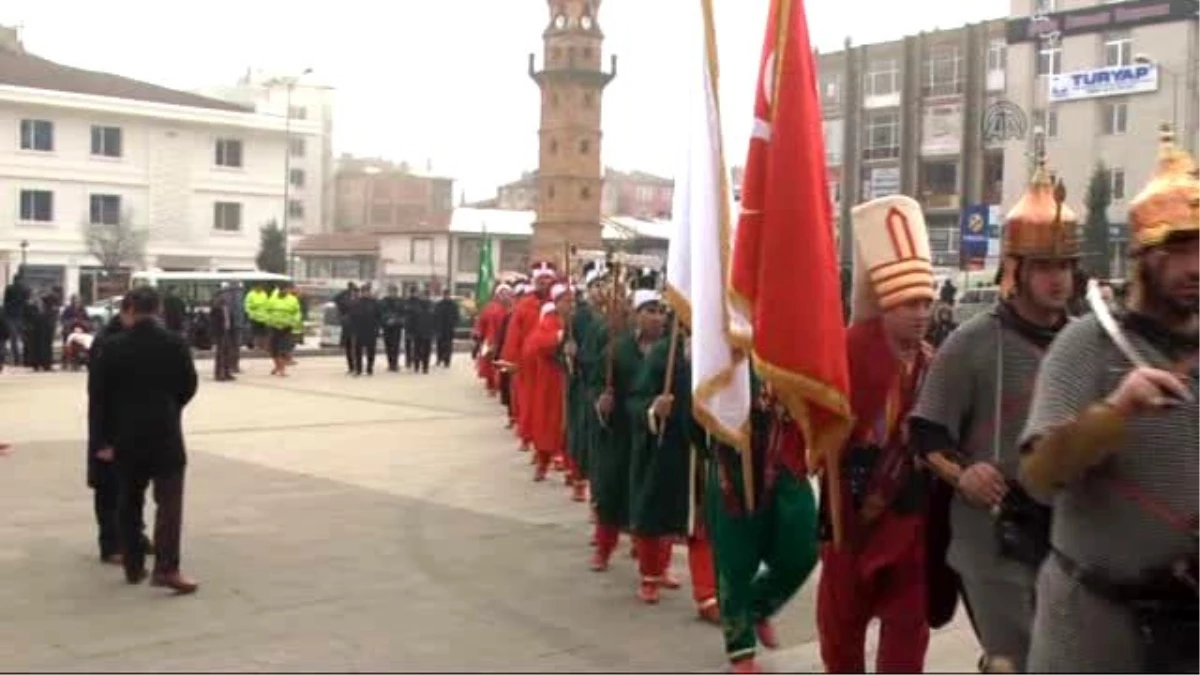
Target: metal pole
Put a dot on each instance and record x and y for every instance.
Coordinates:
(287, 175)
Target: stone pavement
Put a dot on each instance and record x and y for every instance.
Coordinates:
(339, 524)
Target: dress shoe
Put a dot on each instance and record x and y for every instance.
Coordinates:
(113, 559)
(648, 592)
(135, 576)
(709, 612)
(174, 581)
(579, 491)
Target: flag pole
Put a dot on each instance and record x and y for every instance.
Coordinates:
(669, 377)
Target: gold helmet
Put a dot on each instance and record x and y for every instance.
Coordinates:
(1169, 205)
(1039, 225)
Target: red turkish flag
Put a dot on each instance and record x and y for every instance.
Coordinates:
(785, 287)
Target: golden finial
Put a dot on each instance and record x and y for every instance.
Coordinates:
(1039, 158)
(1060, 196)
(1171, 158)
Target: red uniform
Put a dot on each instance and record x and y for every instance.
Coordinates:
(879, 572)
(546, 390)
(523, 321)
(487, 324)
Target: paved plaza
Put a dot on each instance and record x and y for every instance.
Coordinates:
(339, 524)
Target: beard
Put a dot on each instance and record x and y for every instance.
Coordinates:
(1161, 294)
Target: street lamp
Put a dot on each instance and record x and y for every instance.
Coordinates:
(24, 249)
(1169, 72)
(287, 167)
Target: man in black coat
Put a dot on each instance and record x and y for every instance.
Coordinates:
(344, 302)
(364, 326)
(145, 377)
(421, 326)
(391, 311)
(412, 305)
(223, 328)
(16, 298)
(101, 474)
(445, 320)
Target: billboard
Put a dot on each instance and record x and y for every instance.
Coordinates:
(1097, 82)
(974, 235)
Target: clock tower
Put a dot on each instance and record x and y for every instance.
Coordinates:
(570, 177)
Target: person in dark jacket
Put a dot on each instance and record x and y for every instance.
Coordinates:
(42, 321)
(174, 312)
(422, 327)
(364, 326)
(222, 327)
(16, 298)
(344, 302)
(445, 320)
(942, 325)
(391, 310)
(411, 304)
(145, 377)
(101, 474)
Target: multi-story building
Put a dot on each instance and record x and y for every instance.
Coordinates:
(374, 195)
(519, 195)
(906, 117)
(1099, 78)
(310, 163)
(637, 194)
(166, 179)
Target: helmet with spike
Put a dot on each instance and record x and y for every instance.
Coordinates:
(1169, 205)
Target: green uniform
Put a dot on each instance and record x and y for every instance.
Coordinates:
(611, 439)
(580, 399)
(781, 531)
(659, 471)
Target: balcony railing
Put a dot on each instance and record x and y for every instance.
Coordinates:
(881, 153)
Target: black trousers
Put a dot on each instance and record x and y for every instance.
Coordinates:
(348, 348)
(445, 347)
(225, 349)
(106, 503)
(364, 347)
(391, 346)
(422, 347)
(235, 354)
(410, 351)
(168, 520)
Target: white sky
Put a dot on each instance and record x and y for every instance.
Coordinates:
(447, 80)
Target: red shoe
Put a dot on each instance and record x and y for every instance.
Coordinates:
(709, 612)
(568, 480)
(766, 634)
(599, 562)
(579, 491)
(669, 582)
(559, 465)
(748, 665)
(648, 592)
(539, 474)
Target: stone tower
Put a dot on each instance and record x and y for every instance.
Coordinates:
(570, 176)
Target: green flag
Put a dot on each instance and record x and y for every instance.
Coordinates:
(483, 280)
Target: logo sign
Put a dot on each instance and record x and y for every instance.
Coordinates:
(1098, 82)
(884, 182)
(974, 233)
(1004, 121)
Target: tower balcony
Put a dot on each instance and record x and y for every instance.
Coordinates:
(573, 71)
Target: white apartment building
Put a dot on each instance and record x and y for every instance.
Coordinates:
(311, 165)
(1100, 77)
(80, 150)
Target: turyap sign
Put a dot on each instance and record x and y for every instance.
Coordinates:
(1097, 82)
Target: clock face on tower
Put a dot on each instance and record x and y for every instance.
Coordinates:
(586, 22)
(560, 21)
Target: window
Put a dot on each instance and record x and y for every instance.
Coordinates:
(1048, 121)
(883, 77)
(585, 146)
(229, 152)
(1043, 6)
(549, 193)
(295, 208)
(381, 214)
(585, 193)
(37, 135)
(298, 112)
(1114, 118)
(106, 141)
(296, 147)
(1049, 60)
(227, 216)
(37, 206)
(105, 209)
(940, 178)
(553, 99)
(587, 99)
(1116, 183)
(1118, 48)
(943, 71)
(997, 57)
(883, 135)
(468, 254)
(830, 89)
(296, 177)
(554, 146)
(587, 52)
(421, 250)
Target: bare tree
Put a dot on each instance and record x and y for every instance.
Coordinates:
(116, 245)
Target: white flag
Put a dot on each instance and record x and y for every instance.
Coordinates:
(699, 258)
